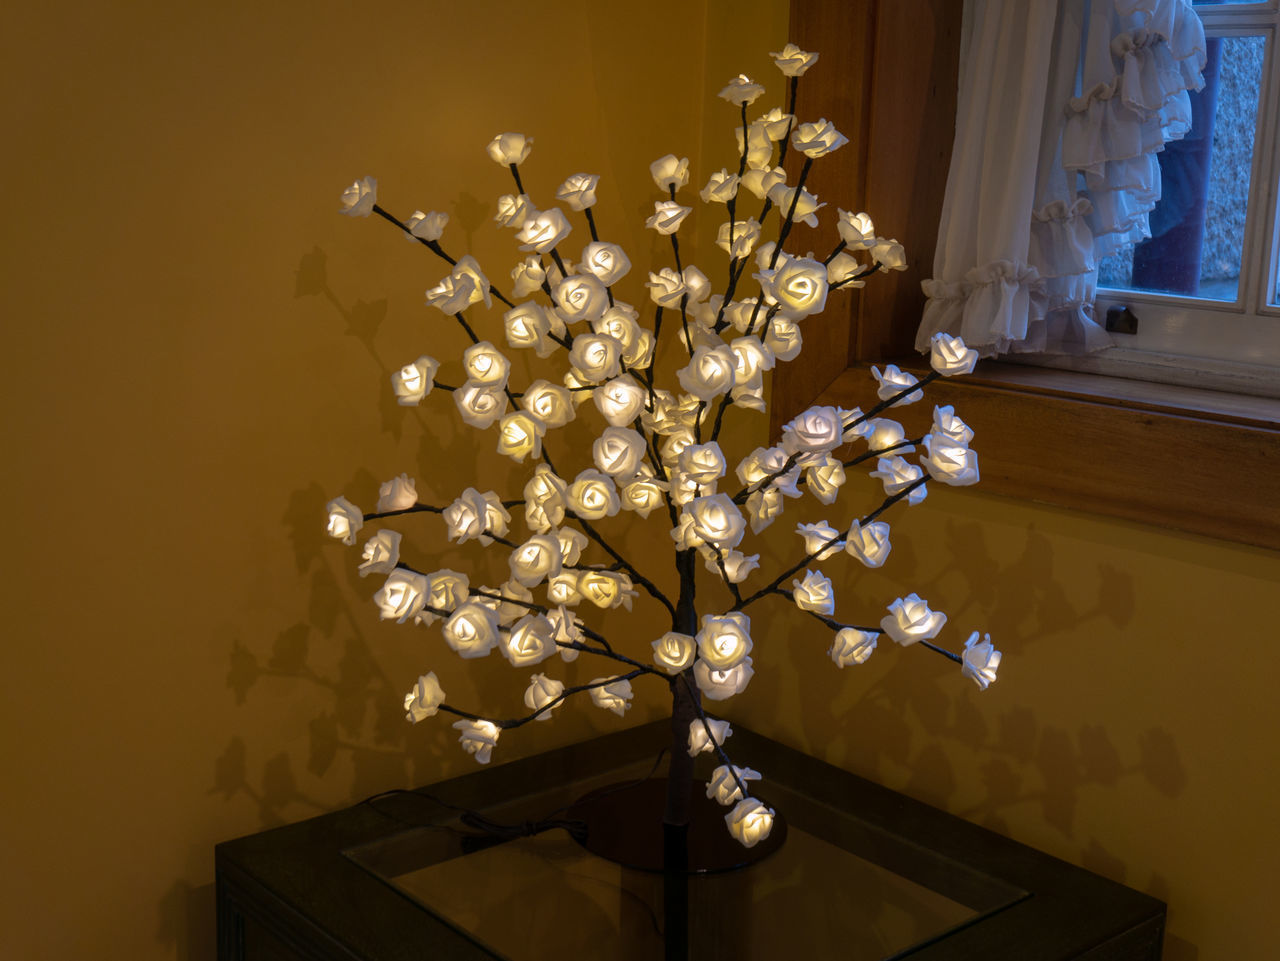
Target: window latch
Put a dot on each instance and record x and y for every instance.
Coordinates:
(1121, 320)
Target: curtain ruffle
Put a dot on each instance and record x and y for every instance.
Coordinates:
(1061, 241)
(989, 308)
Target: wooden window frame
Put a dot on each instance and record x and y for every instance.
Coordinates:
(1200, 461)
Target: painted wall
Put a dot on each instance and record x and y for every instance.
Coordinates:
(198, 350)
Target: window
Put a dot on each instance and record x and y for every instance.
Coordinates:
(1205, 288)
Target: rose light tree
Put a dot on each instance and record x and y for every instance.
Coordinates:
(657, 456)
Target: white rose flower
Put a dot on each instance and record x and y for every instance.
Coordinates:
(612, 695)
(736, 564)
(543, 230)
(670, 172)
(765, 462)
(852, 646)
(856, 230)
(454, 294)
(793, 61)
(642, 494)
(741, 90)
(843, 270)
(515, 602)
(571, 544)
(667, 216)
(893, 381)
(425, 698)
(527, 325)
(817, 139)
(760, 180)
(529, 641)
(549, 403)
(398, 494)
(883, 436)
(608, 263)
(897, 475)
(597, 357)
(889, 254)
(949, 356)
(513, 211)
(738, 238)
(358, 200)
(475, 515)
(820, 539)
(720, 189)
(535, 560)
(472, 630)
(703, 463)
(426, 226)
(480, 404)
(758, 145)
(981, 660)
(724, 640)
(478, 738)
(697, 284)
(723, 787)
(749, 822)
(468, 266)
(520, 436)
(343, 520)
(819, 430)
(824, 480)
(604, 589)
(749, 396)
(509, 148)
(620, 400)
(716, 520)
(909, 620)
(402, 596)
(579, 191)
(782, 336)
(619, 451)
(545, 498)
(566, 630)
(485, 364)
(593, 496)
(639, 354)
(776, 123)
(949, 462)
(666, 287)
(814, 593)
(563, 589)
(752, 358)
(527, 276)
(581, 297)
(710, 372)
(412, 382)
(717, 685)
(673, 652)
(947, 426)
(541, 692)
(806, 206)
(381, 553)
(446, 589)
(798, 286)
(701, 741)
(869, 544)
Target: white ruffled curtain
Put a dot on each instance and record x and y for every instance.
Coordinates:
(1062, 107)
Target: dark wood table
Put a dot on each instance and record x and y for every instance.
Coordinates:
(865, 872)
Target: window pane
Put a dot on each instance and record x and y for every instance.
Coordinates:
(1197, 228)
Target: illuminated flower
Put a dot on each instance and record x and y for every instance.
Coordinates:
(545, 498)
(475, 515)
(814, 593)
(749, 822)
(856, 230)
(844, 270)
(949, 356)
(704, 464)
(884, 436)
(566, 630)
(736, 564)
(821, 540)
(513, 211)
(980, 660)
(563, 589)
(608, 263)
(950, 462)
(509, 148)
(426, 226)
(670, 171)
(710, 372)
(893, 381)
(478, 738)
(612, 695)
(550, 403)
(801, 206)
(571, 544)
(724, 640)
(527, 325)
(697, 284)
(798, 286)
(852, 646)
(869, 544)
(535, 560)
(673, 652)
(344, 519)
(817, 139)
(381, 553)
(596, 357)
(717, 685)
(723, 786)
(771, 465)
(793, 61)
(528, 276)
(897, 475)
(717, 520)
(706, 735)
(620, 400)
(446, 589)
(752, 358)
(642, 494)
(579, 191)
(909, 620)
(947, 426)
(358, 200)
(619, 451)
(454, 294)
(782, 336)
(889, 254)
(480, 404)
(581, 297)
(818, 430)
(412, 382)
(721, 188)
(593, 496)
(402, 596)
(606, 589)
(398, 494)
(741, 89)
(540, 693)
(666, 287)
(543, 230)
(529, 641)
(760, 180)
(485, 364)
(824, 480)
(472, 630)
(738, 238)
(667, 216)
(425, 698)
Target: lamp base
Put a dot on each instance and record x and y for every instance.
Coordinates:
(624, 825)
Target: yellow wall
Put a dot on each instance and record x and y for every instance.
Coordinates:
(198, 348)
